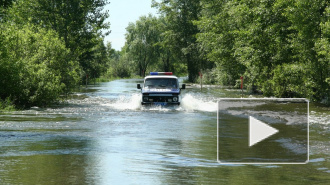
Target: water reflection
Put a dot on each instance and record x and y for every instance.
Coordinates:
(37, 159)
(99, 137)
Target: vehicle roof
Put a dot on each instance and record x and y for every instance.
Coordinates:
(161, 76)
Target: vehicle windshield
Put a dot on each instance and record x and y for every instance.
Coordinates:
(160, 83)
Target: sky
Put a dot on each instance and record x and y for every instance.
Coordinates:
(121, 13)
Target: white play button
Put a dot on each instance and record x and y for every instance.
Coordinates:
(259, 131)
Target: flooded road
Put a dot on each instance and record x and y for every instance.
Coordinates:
(102, 135)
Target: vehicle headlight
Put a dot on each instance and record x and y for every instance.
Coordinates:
(175, 98)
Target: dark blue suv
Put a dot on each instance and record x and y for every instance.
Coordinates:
(161, 88)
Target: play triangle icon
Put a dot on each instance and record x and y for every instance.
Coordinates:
(259, 131)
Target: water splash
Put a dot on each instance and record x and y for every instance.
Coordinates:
(196, 102)
(189, 102)
(319, 118)
(131, 102)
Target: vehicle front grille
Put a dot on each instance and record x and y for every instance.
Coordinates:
(159, 99)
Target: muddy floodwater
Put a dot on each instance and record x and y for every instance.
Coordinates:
(102, 135)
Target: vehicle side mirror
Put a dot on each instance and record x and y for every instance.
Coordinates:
(183, 86)
(138, 86)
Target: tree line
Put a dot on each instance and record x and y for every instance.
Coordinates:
(280, 47)
(48, 47)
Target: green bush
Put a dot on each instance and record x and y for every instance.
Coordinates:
(6, 105)
(289, 80)
(35, 66)
(209, 77)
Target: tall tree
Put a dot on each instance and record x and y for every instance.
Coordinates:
(141, 42)
(35, 65)
(180, 15)
(322, 47)
(218, 31)
(308, 40)
(78, 22)
(164, 47)
(280, 46)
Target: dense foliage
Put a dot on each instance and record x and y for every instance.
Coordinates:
(48, 47)
(141, 40)
(280, 47)
(32, 65)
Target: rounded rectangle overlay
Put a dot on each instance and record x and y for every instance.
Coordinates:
(235, 131)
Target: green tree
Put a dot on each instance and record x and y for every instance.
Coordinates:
(78, 22)
(119, 64)
(309, 42)
(141, 42)
(32, 65)
(322, 47)
(279, 46)
(181, 32)
(164, 47)
(218, 30)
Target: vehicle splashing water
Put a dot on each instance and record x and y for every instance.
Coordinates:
(189, 102)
